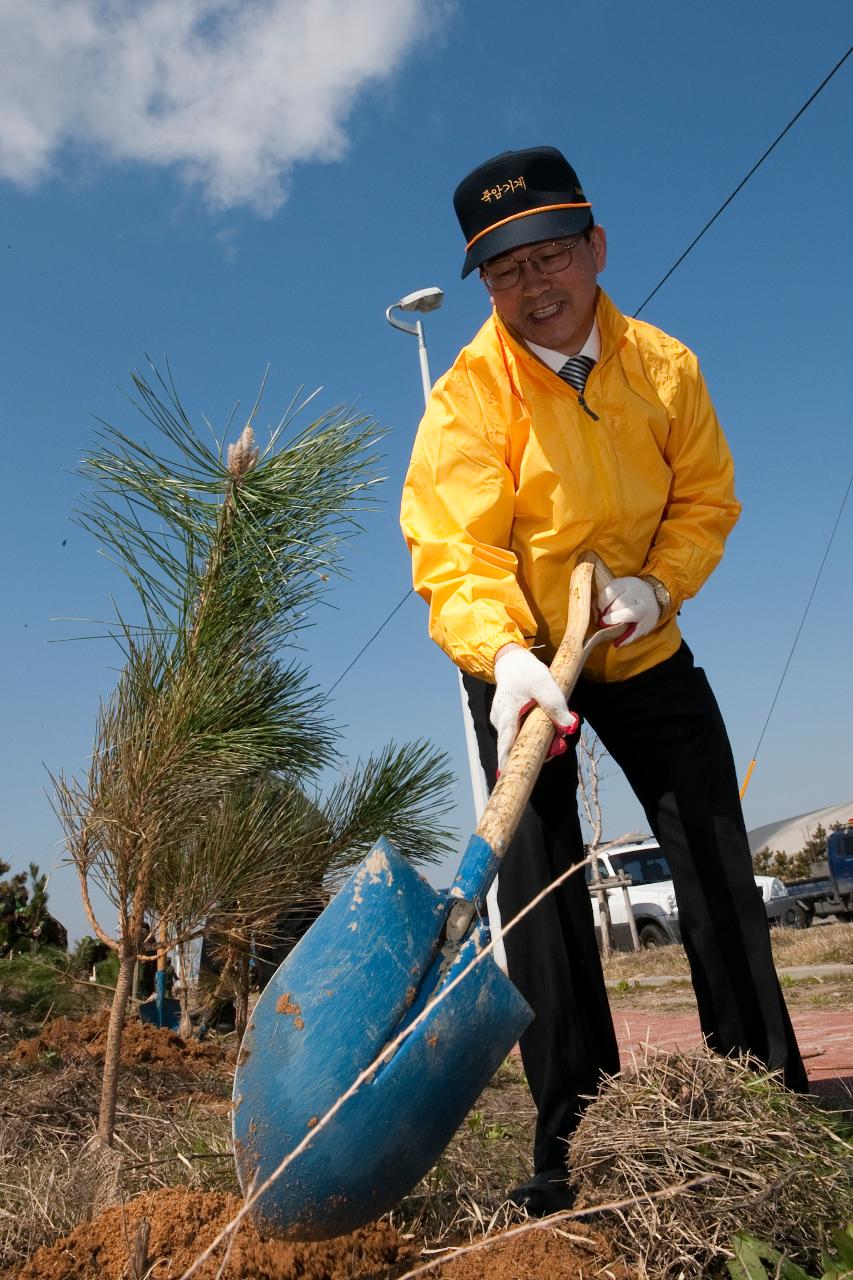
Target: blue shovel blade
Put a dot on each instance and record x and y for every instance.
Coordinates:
(167, 1015)
(344, 992)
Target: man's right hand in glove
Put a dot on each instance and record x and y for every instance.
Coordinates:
(522, 681)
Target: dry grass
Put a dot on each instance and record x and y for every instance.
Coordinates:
(176, 1130)
(171, 1130)
(676, 996)
(776, 1165)
(821, 944)
(651, 962)
(43, 1128)
(463, 1198)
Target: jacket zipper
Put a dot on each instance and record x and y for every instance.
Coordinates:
(583, 404)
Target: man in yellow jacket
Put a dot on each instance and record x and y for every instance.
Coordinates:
(566, 426)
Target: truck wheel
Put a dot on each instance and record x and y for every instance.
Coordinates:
(796, 918)
(651, 935)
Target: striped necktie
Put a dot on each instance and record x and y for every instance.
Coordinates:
(575, 371)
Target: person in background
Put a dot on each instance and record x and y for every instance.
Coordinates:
(566, 426)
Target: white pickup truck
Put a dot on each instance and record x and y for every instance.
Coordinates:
(652, 895)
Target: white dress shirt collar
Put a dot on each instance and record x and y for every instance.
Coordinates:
(556, 359)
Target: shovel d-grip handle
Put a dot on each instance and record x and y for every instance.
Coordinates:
(502, 814)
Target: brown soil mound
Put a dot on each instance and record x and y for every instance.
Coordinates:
(183, 1223)
(570, 1252)
(143, 1045)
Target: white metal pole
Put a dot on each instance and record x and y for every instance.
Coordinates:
(422, 354)
(479, 787)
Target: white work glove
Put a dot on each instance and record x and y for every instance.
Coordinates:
(521, 682)
(628, 600)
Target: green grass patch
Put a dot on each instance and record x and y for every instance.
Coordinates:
(756, 1260)
(35, 987)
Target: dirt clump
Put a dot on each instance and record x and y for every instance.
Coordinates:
(569, 1252)
(182, 1223)
(142, 1045)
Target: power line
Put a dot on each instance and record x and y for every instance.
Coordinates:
(658, 286)
(839, 64)
(369, 642)
(796, 638)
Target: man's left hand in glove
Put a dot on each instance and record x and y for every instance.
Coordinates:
(633, 601)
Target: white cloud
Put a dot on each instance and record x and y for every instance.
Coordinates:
(232, 93)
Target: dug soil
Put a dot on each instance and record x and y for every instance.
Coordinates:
(567, 1252)
(181, 1223)
(142, 1045)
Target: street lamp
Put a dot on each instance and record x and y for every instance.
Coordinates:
(421, 300)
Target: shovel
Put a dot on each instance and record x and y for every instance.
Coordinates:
(162, 1011)
(386, 946)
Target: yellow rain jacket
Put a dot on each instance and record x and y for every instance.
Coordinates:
(510, 479)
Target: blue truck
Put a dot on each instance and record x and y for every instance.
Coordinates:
(832, 894)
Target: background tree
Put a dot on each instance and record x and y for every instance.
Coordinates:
(590, 753)
(36, 922)
(87, 953)
(24, 918)
(13, 898)
(179, 818)
(794, 866)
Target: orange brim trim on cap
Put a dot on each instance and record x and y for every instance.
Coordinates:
(513, 217)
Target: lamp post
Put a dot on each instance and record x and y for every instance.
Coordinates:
(425, 300)
(421, 300)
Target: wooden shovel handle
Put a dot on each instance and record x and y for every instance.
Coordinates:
(506, 804)
(512, 791)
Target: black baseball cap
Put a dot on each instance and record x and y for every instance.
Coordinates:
(517, 198)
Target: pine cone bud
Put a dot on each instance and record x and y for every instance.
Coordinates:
(243, 455)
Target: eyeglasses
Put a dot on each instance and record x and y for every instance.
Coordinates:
(548, 259)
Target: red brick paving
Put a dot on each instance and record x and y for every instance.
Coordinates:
(825, 1038)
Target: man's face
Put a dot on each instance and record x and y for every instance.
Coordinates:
(554, 311)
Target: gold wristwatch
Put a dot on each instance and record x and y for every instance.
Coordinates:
(662, 595)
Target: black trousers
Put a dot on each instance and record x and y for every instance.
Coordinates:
(664, 729)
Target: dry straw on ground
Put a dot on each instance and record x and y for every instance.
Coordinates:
(829, 943)
(172, 1128)
(777, 1165)
(821, 944)
(463, 1197)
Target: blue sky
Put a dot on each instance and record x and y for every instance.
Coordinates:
(237, 186)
